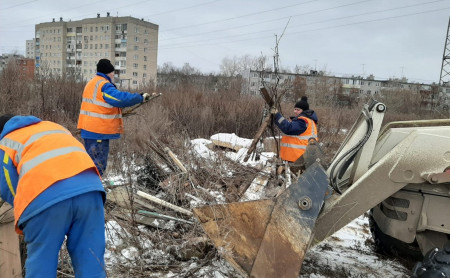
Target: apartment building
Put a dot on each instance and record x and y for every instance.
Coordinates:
(130, 43)
(345, 88)
(25, 66)
(30, 45)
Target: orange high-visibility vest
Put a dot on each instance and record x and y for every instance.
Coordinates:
(43, 154)
(96, 115)
(293, 147)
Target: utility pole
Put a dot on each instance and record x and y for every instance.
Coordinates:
(445, 67)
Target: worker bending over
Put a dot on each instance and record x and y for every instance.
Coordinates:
(56, 191)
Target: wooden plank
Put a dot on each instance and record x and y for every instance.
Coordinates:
(125, 214)
(162, 216)
(175, 160)
(163, 203)
(10, 263)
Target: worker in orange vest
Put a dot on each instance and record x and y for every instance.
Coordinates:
(297, 130)
(101, 113)
(56, 192)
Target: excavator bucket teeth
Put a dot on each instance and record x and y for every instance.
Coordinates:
(268, 238)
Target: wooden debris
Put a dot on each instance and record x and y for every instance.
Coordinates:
(234, 143)
(125, 214)
(258, 135)
(257, 186)
(10, 262)
(175, 160)
(120, 196)
(162, 216)
(163, 203)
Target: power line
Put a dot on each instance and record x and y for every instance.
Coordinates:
(17, 5)
(186, 8)
(300, 25)
(309, 30)
(245, 15)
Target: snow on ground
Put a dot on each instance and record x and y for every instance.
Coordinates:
(347, 253)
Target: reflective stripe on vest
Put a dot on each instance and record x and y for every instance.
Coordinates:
(27, 166)
(7, 177)
(43, 153)
(101, 116)
(293, 147)
(96, 115)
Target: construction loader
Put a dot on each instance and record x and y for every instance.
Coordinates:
(399, 173)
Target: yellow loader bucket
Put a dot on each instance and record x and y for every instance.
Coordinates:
(268, 238)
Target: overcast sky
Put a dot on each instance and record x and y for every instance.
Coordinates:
(387, 38)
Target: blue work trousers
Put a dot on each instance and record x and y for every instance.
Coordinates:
(82, 220)
(98, 150)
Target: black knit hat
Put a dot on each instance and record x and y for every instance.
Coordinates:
(105, 66)
(4, 119)
(302, 104)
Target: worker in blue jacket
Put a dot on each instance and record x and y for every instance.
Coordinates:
(56, 192)
(100, 117)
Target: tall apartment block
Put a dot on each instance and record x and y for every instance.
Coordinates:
(30, 49)
(130, 43)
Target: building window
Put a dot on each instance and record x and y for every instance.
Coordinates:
(145, 58)
(92, 29)
(136, 39)
(135, 74)
(136, 57)
(134, 82)
(107, 27)
(135, 66)
(136, 47)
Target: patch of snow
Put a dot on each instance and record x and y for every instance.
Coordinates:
(233, 140)
(199, 147)
(130, 253)
(347, 251)
(113, 233)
